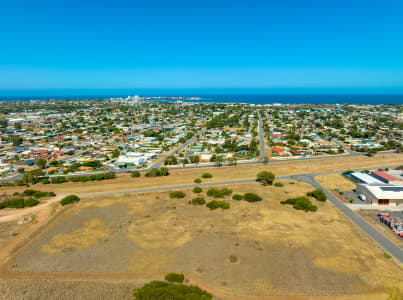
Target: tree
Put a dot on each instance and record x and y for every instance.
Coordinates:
(171, 160)
(17, 126)
(265, 177)
(16, 140)
(219, 161)
(135, 174)
(115, 153)
(194, 159)
(32, 176)
(3, 122)
(40, 163)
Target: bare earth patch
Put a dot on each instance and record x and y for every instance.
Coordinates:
(86, 237)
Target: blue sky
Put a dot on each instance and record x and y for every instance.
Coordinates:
(201, 44)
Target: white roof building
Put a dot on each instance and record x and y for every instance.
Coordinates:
(365, 178)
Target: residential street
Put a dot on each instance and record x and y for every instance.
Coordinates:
(261, 140)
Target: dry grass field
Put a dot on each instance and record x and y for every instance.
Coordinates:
(261, 250)
(186, 176)
(335, 181)
(9, 230)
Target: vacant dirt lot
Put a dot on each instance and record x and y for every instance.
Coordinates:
(335, 181)
(251, 251)
(180, 177)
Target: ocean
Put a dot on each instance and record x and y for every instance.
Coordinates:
(241, 98)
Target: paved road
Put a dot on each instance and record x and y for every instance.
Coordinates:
(185, 186)
(344, 147)
(261, 139)
(389, 246)
(160, 162)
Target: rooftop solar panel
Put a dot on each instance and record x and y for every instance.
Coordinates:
(392, 188)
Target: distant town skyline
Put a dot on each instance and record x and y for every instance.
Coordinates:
(287, 47)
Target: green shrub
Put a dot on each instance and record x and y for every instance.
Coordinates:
(51, 194)
(197, 190)
(69, 199)
(135, 174)
(197, 180)
(217, 204)
(155, 172)
(318, 194)
(174, 277)
(278, 184)
(250, 197)
(219, 193)
(177, 194)
(265, 177)
(45, 181)
(57, 180)
(30, 202)
(207, 175)
(237, 197)
(16, 203)
(301, 203)
(198, 201)
(3, 204)
(39, 194)
(159, 290)
(386, 255)
(29, 193)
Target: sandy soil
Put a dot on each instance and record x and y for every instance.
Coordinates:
(258, 250)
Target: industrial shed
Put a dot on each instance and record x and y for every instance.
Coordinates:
(382, 194)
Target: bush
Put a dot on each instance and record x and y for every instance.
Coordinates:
(250, 197)
(318, 194)
(165, 290)
(237, 197)
(177, 194)
(174, 277)
(217, 204)
(45, 181)
(197, 180)
(39, 194)
(3, 204)
(198, 201)
(29, 193)
(217, 193)
(135, 174)
(51, 194)
(207, 175)
(30, 202)
(197, 190)
(155, 172)
(301, 203)
(348, 172)
(57, 180)
(69, 199)
(278, 184)
(16, 203)
(265, 177)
